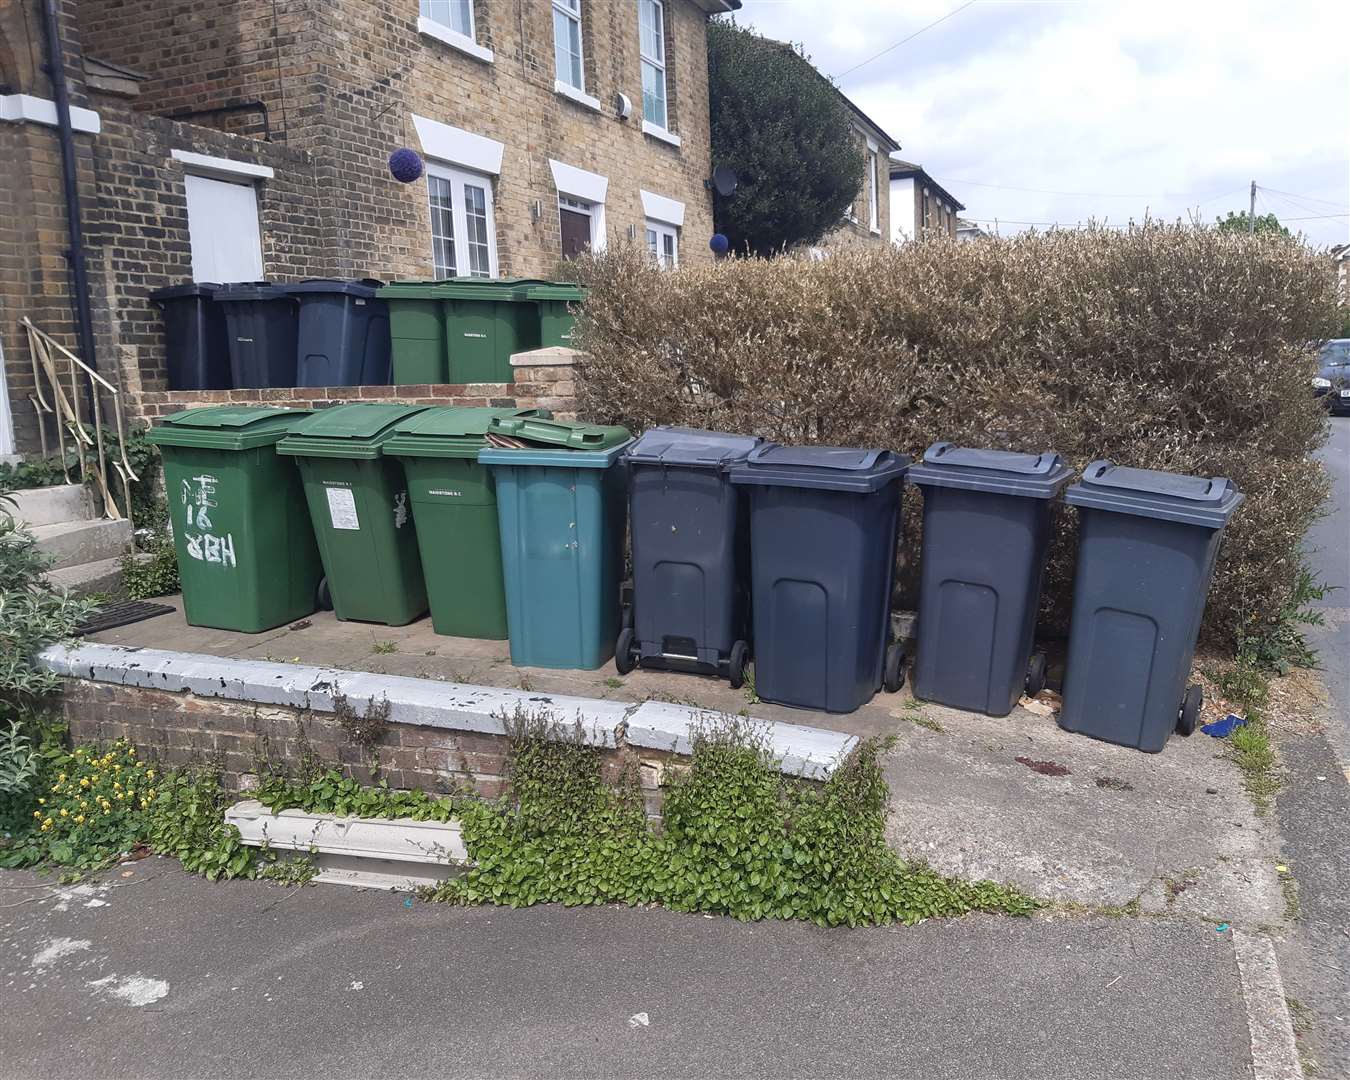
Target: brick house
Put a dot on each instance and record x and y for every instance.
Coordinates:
(868, 220)
(239, 139)
(920, 206)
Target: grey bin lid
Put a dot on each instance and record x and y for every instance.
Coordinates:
(690, 447)
(1167, 496)
(828, 468)
(251, 290)
(187, 289)
(364, 288)
(998, 472)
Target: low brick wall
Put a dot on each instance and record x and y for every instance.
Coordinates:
(183, 729)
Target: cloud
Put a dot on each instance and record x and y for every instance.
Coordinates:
(1167, 108)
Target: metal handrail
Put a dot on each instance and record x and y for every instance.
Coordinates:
(66, 410)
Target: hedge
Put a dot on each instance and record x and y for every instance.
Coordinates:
(1161, 346)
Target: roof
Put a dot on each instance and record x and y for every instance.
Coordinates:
(906, 170)
(888, 143)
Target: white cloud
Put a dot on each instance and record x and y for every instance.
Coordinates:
(1153, 106)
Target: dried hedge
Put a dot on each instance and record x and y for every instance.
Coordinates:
(1164, 346)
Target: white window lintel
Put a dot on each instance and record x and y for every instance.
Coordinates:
(587, 186)
(459, 147)
(656, 131)
(21, 108)
(446, 36)
(660, 208)
(207, 165)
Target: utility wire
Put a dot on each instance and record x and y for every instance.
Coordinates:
(1087, 194)
(892, 48)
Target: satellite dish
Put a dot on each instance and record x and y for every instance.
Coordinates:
(724, 180)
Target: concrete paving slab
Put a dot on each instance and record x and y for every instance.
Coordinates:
(162, 974)
(1119, 826)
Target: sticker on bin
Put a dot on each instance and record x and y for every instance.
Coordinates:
(342, 508)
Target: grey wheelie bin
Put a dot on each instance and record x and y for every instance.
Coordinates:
(986, 532)
(824, 522)
(343, 333)
(691, 554)
(1147, 542)
(196, 352)
(260, 323)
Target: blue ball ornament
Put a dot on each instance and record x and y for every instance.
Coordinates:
(719, 243)
(405, 164)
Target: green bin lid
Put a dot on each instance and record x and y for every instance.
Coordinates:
(226, 427)
(552, 290)
(548, 434)
(353, 431)
(448, 431)
(450, 289)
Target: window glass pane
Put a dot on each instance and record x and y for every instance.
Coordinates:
(475, 218)
(567, 47)
(669, 249)
(651, 242)
(651, 32)
(653, 94)
(456, 14)
(442, 226)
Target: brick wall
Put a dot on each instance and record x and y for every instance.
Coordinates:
(183, 729)
(857, 228)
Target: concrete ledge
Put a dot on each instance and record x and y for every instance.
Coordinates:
(549, 356)
(653, 725)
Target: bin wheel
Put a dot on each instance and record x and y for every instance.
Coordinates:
(323, 599)
(740, 655)
(1189, 714)
(1035, 674)
(893, 674)
(625, 659)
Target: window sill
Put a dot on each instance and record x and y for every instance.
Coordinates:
(571, 93)
(874, 231)
(454, 39)
(648, 128)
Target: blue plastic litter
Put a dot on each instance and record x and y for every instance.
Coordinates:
(1221, 729)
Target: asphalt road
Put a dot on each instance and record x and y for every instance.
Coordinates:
(1314, 805)
(167, 975)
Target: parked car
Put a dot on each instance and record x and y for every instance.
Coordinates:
(1332, 382)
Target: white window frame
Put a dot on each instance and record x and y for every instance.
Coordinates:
(657, 64)
(873, 221)
(594, 211)
(458, 178)
(457, 39)
(571, 11)
(657, 233)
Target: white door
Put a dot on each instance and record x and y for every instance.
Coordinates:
(223, 230)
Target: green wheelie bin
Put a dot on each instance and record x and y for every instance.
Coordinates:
(461, 330)
(555, 314)
(358, 501)
(246, 552)
(455, 505)
(561, 508)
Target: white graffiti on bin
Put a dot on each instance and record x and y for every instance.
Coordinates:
(400, 509)
(197, 499)
(212, 549)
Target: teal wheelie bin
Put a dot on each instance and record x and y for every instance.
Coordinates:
(561, 511)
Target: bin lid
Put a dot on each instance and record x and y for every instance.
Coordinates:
(551, 290)
(232, 292)
(187, 289)
(829, 468)
(690, 447)
(556, 456)
(999, 472)
(448, 431)
(354, 431)
(543, 433)
(450, 289)
(1168, 496)
(226, 427)
(365, 288)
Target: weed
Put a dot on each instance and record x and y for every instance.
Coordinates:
(1278, 643)
(613, 683)
(384, 647)
(923, 720)
(365, 729)
(750, 695)
(1289, 887)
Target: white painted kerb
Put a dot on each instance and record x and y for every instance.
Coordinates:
(654, 725)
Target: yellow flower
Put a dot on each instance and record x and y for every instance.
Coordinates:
(105, 804)
(37, 813)
(79, 819)
(131, 752)
(107, 812)
(60, 776)
(84, 781)
(149, 774)
(42, 802)
(119, 795)
(47, 823)
(65, 812)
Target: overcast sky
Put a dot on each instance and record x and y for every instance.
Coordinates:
(1120, 108)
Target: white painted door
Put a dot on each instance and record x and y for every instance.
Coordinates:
(223, 230)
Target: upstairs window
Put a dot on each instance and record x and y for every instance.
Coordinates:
(652, 42)
(567, 43)
(456, 15)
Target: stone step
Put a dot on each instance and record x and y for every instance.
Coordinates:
(83, 579)
(52, 505)
(71, 543)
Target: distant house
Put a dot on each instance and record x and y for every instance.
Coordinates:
(869, 218)
(920, 206)
(1340, 259)
(968, 230)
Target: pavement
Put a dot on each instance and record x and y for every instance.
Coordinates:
(1314, 805)
(152, 972)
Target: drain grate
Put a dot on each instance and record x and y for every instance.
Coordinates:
(120, 613)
